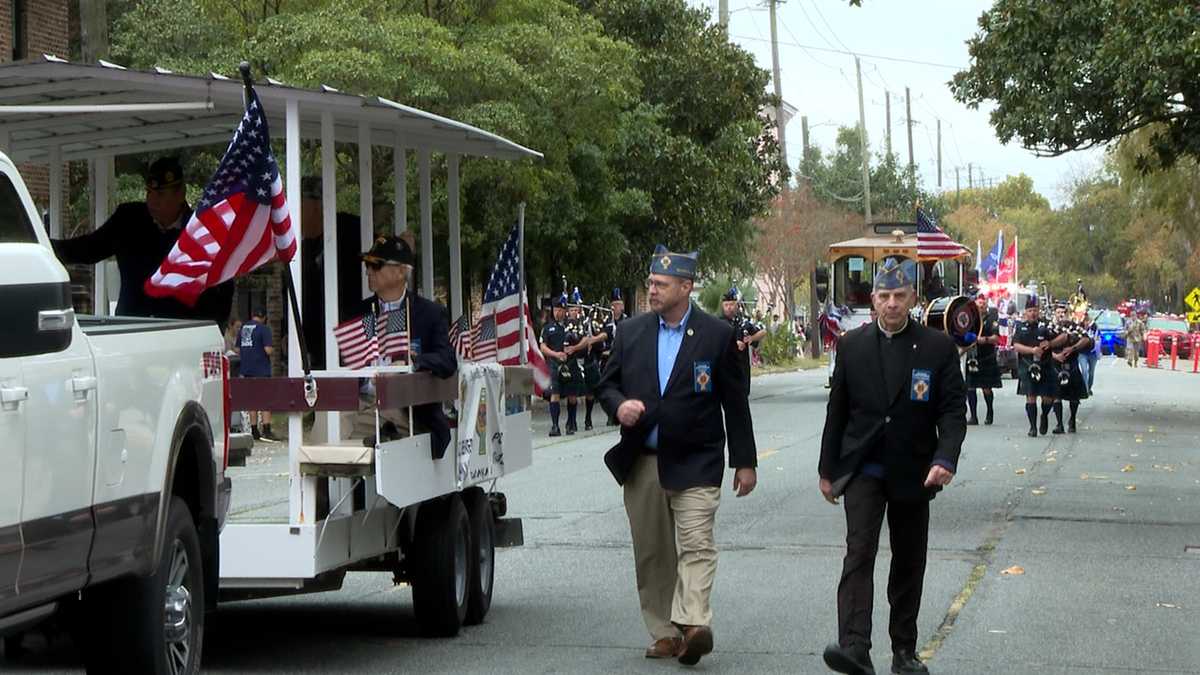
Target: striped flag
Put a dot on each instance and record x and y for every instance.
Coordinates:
(393, 327)
(240, 223)
(932, 242)
(461, 337)
(501, 316)
(358, 341)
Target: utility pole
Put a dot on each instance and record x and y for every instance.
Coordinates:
(887, 108)
(780, 123)
(970, 176)
(93, 29)
(908, 121)
(866, 157)
(803, 139)
(957, 189)
(723, 13)
(939, 127)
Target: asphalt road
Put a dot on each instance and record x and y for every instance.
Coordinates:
(1100, 522)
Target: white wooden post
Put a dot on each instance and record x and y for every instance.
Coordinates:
(56, 190)
(302, 492)
(366, 200)
(400, 186)
(100, 168)
(426, 224)
(453, 207)
(329, 239)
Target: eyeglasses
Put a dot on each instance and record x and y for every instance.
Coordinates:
(375, 265)
(658, 284)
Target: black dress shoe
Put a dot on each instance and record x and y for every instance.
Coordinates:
(1032, 432)
(587, 426)
(1059, 430)
(1044, 425)
(554, 431)
(907, 662)
(1071, 427)
(988, 419)
(853, 660)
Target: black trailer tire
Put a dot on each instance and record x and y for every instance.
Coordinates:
(153, 624)
(443, 567)
(483, 556)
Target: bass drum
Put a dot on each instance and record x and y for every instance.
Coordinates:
(957, 316)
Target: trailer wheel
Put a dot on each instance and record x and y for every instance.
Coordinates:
(153, 624)
(483, 556)
(443, 567)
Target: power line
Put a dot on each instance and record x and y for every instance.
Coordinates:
(881, 57)
(831, 31)
(814, 27)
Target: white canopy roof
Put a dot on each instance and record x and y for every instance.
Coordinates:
(216, 101)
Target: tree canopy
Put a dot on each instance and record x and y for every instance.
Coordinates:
(650, 120)
(1071, 75)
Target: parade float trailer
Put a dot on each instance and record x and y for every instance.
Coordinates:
(433, 523)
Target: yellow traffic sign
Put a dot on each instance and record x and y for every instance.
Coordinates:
(1193, 299)
(1193, 317)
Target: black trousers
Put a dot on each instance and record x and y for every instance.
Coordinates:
(866, 502)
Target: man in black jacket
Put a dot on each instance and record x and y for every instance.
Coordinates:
(894, 428)
(427, 324)
(671, 374)
(140, 235)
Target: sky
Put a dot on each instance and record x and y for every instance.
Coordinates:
(821, 84)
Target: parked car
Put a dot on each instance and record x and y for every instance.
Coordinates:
(1111, 330)
(1169, 329)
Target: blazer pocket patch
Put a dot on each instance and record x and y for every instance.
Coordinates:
(922, 382)
(702, 377)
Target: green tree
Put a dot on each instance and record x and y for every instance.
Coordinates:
(1071, 75)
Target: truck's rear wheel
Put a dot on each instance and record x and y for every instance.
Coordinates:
(443, 567)
(483, 556)
(156, 624)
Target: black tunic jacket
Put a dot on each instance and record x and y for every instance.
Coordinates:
(140, 246)
(866, 419)
(691, 432)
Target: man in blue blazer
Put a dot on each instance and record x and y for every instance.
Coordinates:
(671, 374)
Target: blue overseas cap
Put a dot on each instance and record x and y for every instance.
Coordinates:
(674, 264)
(895, 273)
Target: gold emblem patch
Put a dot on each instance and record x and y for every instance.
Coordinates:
(665, 261)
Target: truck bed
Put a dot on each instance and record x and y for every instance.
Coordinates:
(93, 324)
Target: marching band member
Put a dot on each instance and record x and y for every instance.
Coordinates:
(983, 370)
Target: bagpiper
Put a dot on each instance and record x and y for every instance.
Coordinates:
(982, 367)
(1072, 385)
(1033, 342)
(746, 331)
(566, 375)
(616, 306)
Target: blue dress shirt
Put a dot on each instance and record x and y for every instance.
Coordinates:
(670, 338)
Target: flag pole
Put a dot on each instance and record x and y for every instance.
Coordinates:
(521, 277)
(310, 385)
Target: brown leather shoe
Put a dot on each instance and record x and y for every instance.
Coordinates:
(697, 641)
(666, 648)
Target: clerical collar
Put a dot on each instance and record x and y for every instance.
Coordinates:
(385, 306)
(892, 333)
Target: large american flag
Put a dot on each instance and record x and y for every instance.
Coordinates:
(240, 223)
(932, 242)
(500, 317)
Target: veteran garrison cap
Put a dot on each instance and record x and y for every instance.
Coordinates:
(895, 273)
(674, 264)
(164, 173)
(389, 249)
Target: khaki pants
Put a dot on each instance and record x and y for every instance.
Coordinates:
(674, 552)
(1131, 352)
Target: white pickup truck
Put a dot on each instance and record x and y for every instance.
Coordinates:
(112, 463)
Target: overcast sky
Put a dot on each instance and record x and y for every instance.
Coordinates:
(821, 84)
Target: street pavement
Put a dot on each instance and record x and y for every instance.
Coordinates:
(1061, 554)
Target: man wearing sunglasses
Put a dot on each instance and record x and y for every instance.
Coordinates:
(389, 263)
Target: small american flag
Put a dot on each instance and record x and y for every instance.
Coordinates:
(932, 242)
(358, 341)
(483, 339)
(460, 337)
(210, 364)
(240, 223)
(393, 326)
